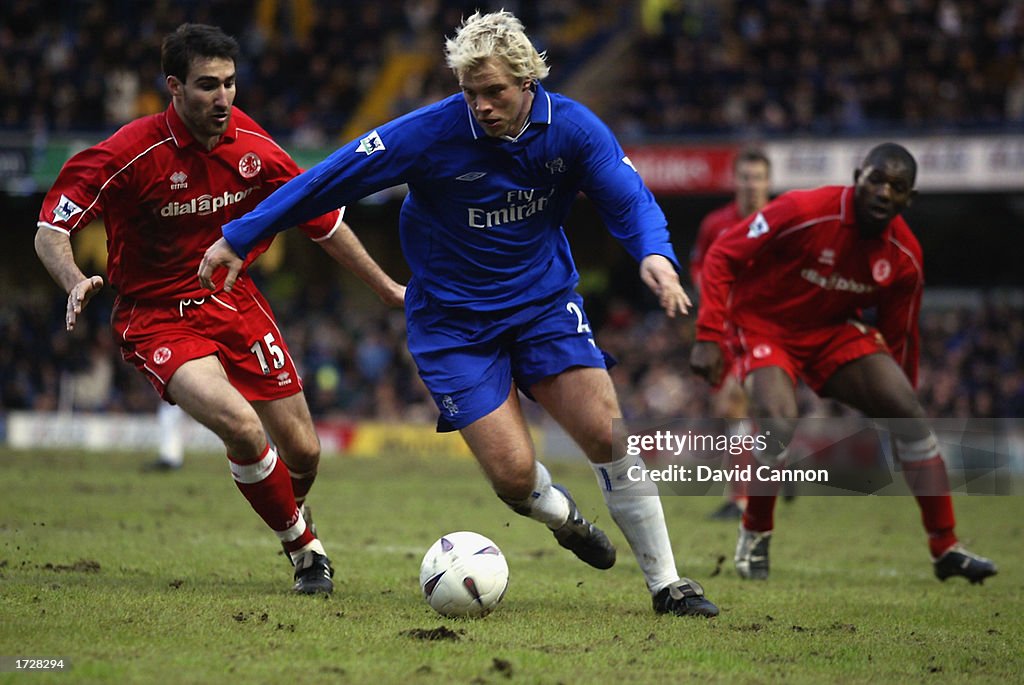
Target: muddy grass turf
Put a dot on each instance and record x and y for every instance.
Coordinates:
(171, 578)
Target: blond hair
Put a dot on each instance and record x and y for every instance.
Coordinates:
(498, 34)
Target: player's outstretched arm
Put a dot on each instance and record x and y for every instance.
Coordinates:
(660, 276)
(54, 251)
(217, 255)
(346, 249)
(706, 360)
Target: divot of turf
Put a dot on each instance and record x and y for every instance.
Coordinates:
(438, 633)
(81, 566)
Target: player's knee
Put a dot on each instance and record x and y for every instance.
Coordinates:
(513, 482)
(773, 409)
(242, 433)
(302, 453)
(905, 406)
(595, 434)
(597, 444)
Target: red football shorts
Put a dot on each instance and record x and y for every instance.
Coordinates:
(812, 355)
(239, 327)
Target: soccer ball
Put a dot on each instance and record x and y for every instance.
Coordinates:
(464, 574)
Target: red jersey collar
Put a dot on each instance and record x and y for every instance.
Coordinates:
(183, 137)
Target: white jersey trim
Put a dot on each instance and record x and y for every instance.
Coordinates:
(280, 337)
(116, 174)
(469, 117)
(275, 144)
(909, 326)
(261, 136)
(44, 224)
(337, 225)
(222, 303)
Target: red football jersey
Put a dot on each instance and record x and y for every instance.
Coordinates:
(164, 197)
(713, 225)
(801, 263)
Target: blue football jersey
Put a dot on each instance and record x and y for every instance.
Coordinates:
(482, 223)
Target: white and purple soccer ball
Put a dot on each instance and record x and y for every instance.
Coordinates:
(464, 574)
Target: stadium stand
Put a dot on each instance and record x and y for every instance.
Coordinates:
(354, 362)
(780, 67)
(741, 69)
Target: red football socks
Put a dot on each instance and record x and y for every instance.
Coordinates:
(268, 488)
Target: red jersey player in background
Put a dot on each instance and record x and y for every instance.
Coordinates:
(785, 292)
(752, 180)
(164, 185)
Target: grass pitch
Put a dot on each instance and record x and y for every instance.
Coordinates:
(171, 578)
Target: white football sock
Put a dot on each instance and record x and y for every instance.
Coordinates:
(170, 420)
(636, 508)
(315, 546)
(544, 504)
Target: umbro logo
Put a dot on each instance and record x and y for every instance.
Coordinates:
(471, 176)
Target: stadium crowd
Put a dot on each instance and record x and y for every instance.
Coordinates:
(771, 67)
(355, 364)
(692, 67)
(93, 66)
(77, 66)
(740, 68)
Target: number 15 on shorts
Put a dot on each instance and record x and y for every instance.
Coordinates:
(273, 351)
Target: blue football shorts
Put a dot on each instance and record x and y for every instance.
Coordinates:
(469, 359)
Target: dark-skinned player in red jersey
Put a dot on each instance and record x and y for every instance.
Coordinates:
(164, 184)
(785, 291)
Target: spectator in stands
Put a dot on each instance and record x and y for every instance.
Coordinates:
(784, 67)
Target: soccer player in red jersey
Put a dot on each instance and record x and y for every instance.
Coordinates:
(752, 179)
(752, 182)
(785, 291)
(164, 185)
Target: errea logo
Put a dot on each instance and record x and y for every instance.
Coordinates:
(179, 180)
(758, 227)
